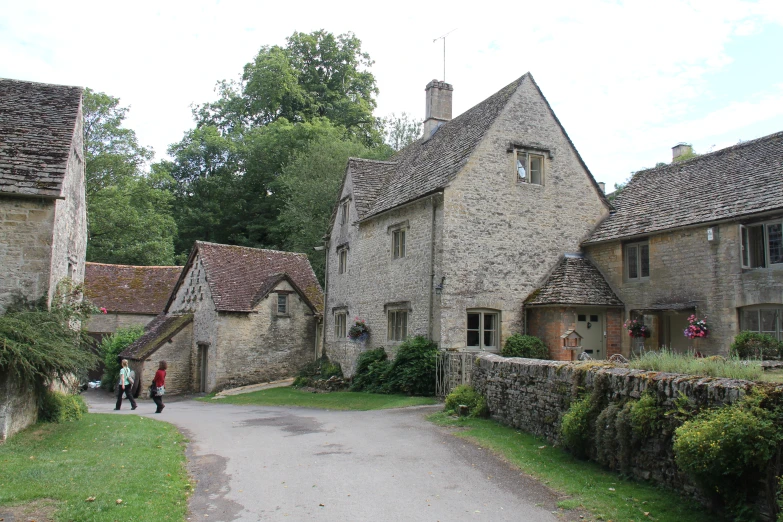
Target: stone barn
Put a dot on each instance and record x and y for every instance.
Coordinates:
(236, 316)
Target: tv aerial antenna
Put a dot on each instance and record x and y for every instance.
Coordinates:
(443, 37)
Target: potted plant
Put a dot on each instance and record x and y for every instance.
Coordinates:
(359, 331)
(636, 328)
(697, 328)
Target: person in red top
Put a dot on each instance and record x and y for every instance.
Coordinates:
(158, 383)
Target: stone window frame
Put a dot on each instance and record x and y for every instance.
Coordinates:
(397, 318)
(482, 331)
(637, 247)
(776, 329)
(399, 235)
(770, 257)
(283, 298)
(342, 258)
(341, 324)
(522, 155)
(345, 210)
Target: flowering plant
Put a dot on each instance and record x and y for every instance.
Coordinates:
(636, 328)
(359, 331)
(697, 328)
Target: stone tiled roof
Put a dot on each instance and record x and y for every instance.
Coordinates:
(575, 281)
(37, 123)
(368, 177)
(157, 332)
(239, 277)
(730, 183)
(130, 289)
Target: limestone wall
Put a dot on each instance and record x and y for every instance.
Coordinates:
(533, 395)
(686, 270)
(177, 355)
(18, 406)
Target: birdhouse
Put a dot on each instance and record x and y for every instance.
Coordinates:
(571, 340)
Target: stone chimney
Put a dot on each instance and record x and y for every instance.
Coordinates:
(438, 110)
(602, 186)
(680, 150)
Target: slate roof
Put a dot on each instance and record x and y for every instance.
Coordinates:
(239, 277)
(157, 332)
(430, 163)
(130, 289)
(575, 281)
(37, 124)
(729, 183)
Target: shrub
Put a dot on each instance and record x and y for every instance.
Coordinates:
(318, 370)
(61, 407)
(413, 370)
(645, 415)
(726, 449)
(526, 346)
(110, 349)
(754, 345)
(371, 370)
(466, 395)
(575, 429)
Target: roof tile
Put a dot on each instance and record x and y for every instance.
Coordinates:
(130, 289)
(575, 281)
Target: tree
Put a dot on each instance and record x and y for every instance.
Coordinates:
(400, 131)
(311, 182)
(128, 211)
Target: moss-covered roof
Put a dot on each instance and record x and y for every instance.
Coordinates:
(130, 289)
(157, 332)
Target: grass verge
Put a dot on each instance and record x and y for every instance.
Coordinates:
(586, 485)
(103, 458)
(686, 363)
(288, 396)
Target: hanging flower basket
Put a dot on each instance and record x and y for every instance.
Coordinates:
(636, 329)
(359, 331)
(697, 328)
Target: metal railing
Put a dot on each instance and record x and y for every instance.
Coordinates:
(451, 370)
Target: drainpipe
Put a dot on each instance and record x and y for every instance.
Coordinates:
(430, 319)
(326, 300)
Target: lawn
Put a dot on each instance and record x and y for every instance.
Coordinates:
(82, 469)
(587, 485)
(287, 396)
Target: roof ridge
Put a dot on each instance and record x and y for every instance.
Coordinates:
(131, 266)
(47, 84)
(369, 160)
(250, 248)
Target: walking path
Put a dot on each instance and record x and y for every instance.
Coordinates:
(269, 463)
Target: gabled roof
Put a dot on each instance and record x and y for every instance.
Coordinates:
(730, 183)
(130, 289)
(239, 277)
(157, 332)
(37, 125)
(574, 281)
(430, 163)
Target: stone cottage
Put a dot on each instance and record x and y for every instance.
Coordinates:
(43, 221)
(236, 316)
(702, 236)
(448, 238)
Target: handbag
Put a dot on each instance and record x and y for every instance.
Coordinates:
(153, 389)
(160, 390)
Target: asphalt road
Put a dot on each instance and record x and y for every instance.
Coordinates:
(269, 463)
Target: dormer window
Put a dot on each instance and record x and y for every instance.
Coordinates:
(529, 167)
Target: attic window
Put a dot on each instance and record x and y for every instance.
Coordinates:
(529, 167)
(344, 211)
(282, 304)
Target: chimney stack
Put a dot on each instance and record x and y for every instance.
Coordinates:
(438, 110)
(602, 186)
(681, 149)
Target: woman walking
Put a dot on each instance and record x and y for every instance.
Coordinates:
(125, 386)
(158, 385)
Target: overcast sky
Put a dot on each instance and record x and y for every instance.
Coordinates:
(628, 80)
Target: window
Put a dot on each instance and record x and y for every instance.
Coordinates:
(344, 210)
(282, 304)
(762, 244)
(398, 243)
(398, 325)
(342, 260)
(764, 320)
(482, 332)
(340, 331)
(530, 168)
(637, 261)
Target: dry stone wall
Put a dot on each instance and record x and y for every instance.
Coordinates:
(18, 406)
(532, 395)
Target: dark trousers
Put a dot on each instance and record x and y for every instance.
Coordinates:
(158, 402)
(128, 391)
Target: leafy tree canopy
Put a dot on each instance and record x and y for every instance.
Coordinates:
(400, 131)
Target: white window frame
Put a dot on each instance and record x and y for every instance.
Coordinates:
(345, 209)
(482, 330)
(397, 325)
(522, 159)
(282, 299)
(766, 262)
(398, 243)
(626, 261)
(340, 326)
(342, 260)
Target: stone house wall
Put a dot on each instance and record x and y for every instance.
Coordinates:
(502, 237)
(18, 406)
(375, 282)
(532, 395)
(177, 354)
(111, 322)
(687, 270)
(264, 346)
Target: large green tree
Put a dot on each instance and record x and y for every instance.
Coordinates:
(128, 211)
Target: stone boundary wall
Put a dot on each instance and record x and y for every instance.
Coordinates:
(18, 406)
(532, 395)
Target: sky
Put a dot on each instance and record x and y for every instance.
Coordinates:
(627, 79)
